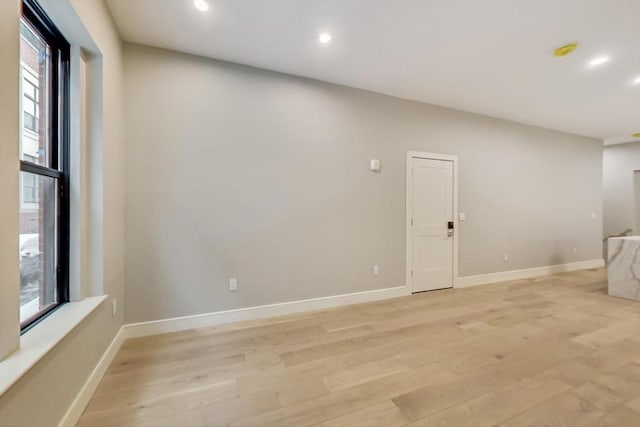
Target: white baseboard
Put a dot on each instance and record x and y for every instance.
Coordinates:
(258, 312)
(72, 415)
(528, 273)
(133, 330)
(155, 327)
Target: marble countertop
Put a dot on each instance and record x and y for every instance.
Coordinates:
(623, 270)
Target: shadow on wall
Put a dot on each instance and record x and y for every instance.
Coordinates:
(557, 259)
(560, 256)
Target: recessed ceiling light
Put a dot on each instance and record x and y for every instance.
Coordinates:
(201, 5)
(324, 38)
(565, 50)
(636, 81)
(599, 61)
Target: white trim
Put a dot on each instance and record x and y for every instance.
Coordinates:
(43, 337)
(155, 327)
(456, 229)
(133, 330)
(258, 312)
(504, 276)
(74, 412)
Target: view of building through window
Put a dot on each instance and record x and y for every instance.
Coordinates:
(38, 193)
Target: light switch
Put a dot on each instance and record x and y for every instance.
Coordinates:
(462, 216)
(374, 165)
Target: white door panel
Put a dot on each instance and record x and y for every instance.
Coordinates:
(431, 211)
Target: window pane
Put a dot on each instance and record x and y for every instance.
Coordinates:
(30, 123)
(29, 89)
(29, 188)
(38, 244)
(35, 69)
(28, 106)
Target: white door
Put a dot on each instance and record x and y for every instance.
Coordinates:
(431, 224)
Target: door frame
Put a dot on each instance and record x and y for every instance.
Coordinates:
(409, 192)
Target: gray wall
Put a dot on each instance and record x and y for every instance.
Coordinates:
(9, 166)
(234, 171)
(619, 162)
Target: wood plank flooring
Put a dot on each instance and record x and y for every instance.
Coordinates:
(554, 351)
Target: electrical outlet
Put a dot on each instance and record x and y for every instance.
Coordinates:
(506, 257)
(575, 251)
(114, 307)
(233, 284)
(376, 270)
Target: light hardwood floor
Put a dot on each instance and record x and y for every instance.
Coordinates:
(548, 351)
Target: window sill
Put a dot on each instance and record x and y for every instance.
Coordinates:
(40, 340)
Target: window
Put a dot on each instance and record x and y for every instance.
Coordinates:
(44, 164)
(30, 94)
(29, 189)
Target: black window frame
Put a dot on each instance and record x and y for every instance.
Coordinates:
(57, 124)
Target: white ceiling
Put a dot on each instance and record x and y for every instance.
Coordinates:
(492, 57)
